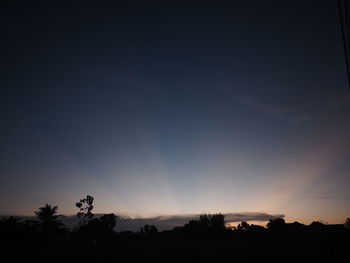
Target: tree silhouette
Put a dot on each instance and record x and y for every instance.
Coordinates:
(10, 228)
(98, 230)
(108, 222)
(204, 220)
(10, 222)
(244, 226)
(148, 230)
(317, 225)
(277, 224)
(48, 217)
(49, 224)
(347, 223)
(217, 222)
(85, 207)
(206, 223)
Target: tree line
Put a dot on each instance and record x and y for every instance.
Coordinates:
(48, 227)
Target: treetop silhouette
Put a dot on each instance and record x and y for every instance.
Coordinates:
(48, 218)
(85, 207)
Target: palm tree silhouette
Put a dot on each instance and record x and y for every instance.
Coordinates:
(48, 218)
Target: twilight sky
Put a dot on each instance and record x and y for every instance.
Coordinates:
(175, 108)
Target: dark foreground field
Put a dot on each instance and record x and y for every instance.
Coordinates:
(311, 246)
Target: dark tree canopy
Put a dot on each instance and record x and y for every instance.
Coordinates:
(243, 226)
(85, 208)
(277, 224)
(48, 218)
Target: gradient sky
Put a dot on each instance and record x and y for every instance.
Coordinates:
(175, 108)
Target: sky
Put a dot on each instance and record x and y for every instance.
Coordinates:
(162, 108)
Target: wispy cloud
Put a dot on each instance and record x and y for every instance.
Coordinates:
(265, 106)
(327, 195)
(299, 110)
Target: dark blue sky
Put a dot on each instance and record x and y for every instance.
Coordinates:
(178, 107)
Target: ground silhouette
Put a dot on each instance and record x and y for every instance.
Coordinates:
(206, 239)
